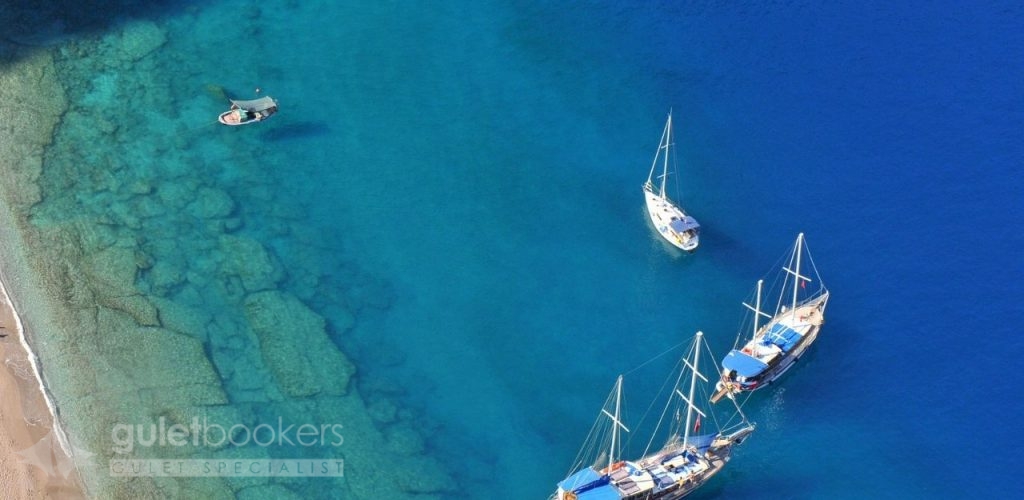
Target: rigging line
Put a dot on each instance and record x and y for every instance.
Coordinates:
(202, 126)
(739, 331)
(744, 321)
(707, 389)
(651, 405)
(821, 283)
(746, 398)
(739, 410)
(675, 168)
(664, 411)
(772, 280)
(734, 399)
(595, 441)
(649, 361)
(705, 395)
(589, 448)
(782, 275)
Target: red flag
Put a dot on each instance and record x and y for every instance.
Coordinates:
(696, 425)
(803, 283)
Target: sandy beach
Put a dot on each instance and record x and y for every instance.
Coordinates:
(32, 462)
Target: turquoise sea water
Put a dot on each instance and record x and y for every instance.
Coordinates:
(464, 179)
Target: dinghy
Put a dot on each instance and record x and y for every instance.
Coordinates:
(247, 112)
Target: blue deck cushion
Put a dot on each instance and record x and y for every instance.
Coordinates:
(684, 224)
(606, 492)
(664, 481)
(783, 336)
(742, 364)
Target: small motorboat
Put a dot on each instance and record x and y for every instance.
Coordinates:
(246, 112)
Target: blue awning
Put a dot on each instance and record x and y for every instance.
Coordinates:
(684, 224)
(742, 364)
(582, 477)
(701, 442)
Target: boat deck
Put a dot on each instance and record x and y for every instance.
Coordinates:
(779, 336)
(663, 213)
(675, 471)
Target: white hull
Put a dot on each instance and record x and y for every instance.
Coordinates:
(662, 212)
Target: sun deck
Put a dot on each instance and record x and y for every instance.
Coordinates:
(785, 332)
(680, 470)
(674, 225)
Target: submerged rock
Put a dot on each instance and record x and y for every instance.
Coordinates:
(211, 204)
(181, 318)
(250, 262)
(404, 440)
(382, 472)
(382, 410)
(138, 39)
(176, 195)
(424, 475)
(216, 92)
(165, 276)
(267, 491)
(154, 358)
(295, 346)
(137, 306)
(114, 270)
(191, 487)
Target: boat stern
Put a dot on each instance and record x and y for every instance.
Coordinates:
(740, 372)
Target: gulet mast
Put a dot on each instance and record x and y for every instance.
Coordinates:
(757, 308)
(796, 283)
(797, 278)
(616, 423)
(690, 408)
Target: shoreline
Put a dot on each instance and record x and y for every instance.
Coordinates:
(29, 419)
(106, 343)
(28, 436)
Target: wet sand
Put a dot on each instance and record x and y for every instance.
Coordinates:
(32, 462)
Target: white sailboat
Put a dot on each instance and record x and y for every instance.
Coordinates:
(685, 462)
(774, 347)
(679, 229)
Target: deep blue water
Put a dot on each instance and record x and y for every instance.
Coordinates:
(485, 162)
(482, 165)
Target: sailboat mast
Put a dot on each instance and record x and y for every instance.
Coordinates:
(657, 153)
(693, 385)
(615, 424)
(797, 278)
(757, 307)
(668, 142)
